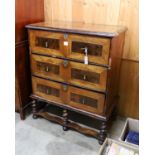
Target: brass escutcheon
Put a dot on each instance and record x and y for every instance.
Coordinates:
(65, 63)
(65, 87)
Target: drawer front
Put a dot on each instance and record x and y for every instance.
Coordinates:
(86, 100)
(97, 48)
(48, 90)
(89, 76)
(65, 94)
(47, 67)
(49, 43)
(70, 46)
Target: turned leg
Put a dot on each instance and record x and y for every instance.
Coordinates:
(34, 109)
(103, 133)
(65, 118)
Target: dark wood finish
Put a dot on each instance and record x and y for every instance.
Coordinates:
(80, 111)
(90, 89)
(67, 50)
(103, 133)
(17, 97)
(34, 108)
(65, 94)
(23, 83)
(93, 77)
(65, 119)
(27, 11)
(71, 125)
(79, 28)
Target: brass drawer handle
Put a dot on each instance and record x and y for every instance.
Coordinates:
(84, 77)
(47, 69)
(65, 63)
(46, 44)
(47, 91)
(83, 101)
(65, 87)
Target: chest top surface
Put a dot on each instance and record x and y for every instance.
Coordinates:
(79, 28)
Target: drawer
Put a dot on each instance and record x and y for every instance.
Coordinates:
(65, 94)
(97, 48)
(86, 100)
(88, 76)
(47, 67)
(48, 90)
(47, 43)
(70, 46)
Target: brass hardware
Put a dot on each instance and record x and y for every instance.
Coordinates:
(47, 91)
(83, 101)
(46, 69)
(46, 44)
(84, 77)
(65, 87)
(65, 63)
(65, 36)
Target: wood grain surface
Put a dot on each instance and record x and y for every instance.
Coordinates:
(111, 12)
(129, 89)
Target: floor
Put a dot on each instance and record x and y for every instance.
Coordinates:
(41, 137)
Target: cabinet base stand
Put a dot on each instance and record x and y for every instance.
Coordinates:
(68, 124)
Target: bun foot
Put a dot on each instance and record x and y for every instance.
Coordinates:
(100, 142)
(65, 128)
(35, 116)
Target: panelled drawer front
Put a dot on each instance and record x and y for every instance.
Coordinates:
(47, 89)
(65, 94)
(49, 43)
(86, 100)
(47, 67)
(89, 76)
(70, 46)
(97, 48)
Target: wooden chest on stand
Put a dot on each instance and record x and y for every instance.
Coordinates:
(76, 66)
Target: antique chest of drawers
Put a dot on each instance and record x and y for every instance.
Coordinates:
(75, 66)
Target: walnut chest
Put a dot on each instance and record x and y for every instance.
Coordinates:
(75, 66)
